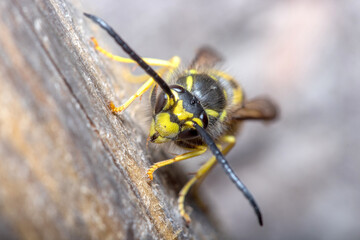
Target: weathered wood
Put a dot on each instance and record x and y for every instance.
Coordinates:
(69, 168)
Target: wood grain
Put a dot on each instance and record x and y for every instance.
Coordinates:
(69, 168)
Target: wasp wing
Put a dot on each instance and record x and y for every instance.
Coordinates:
(256, 109)
(205, 58)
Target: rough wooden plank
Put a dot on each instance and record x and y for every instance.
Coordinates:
(68, 167)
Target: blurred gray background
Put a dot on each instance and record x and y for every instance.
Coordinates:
(304, 169)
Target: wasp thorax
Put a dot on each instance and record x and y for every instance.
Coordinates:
(171, 117)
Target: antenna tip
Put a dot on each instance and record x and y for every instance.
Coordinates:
(258, 214)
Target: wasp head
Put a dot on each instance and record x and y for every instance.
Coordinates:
(172, 117)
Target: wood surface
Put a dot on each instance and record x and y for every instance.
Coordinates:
(69, 168)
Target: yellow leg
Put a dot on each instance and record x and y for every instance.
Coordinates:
(139, 92)
(203, 170)
(200, 175)
(167, 66)
(151, 61)
(196, 152)
(171, 65)
(129, 77)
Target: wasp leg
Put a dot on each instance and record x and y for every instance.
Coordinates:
(230, 140)
(167, 66)
(202, 171)
(138, 93)
(200, 176)
(132, 78)
(196, 152)
(143, 88)
(172, 63)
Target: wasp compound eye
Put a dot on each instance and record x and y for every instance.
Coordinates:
(161, 102)
(204, 119)
(177, 88)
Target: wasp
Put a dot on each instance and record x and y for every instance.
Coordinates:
(198, 108)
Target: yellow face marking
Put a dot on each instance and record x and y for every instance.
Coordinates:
(180, 112)
(165, 127)
(185, 126)
(222, 116)
(212, 112)
(189, 82)
(198, 121)
(237, 96)
(158, 139)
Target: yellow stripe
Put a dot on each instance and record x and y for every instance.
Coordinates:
(222, 116)
(212, 112)
(189, 83)
(165, 127)
(237, 95)
(213, 77)
(225, 94)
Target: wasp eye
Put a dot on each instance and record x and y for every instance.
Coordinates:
(177, 88)
(204, 118)
(161, 102)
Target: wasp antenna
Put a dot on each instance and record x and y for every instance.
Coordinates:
(229, 171)
(132, 54)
